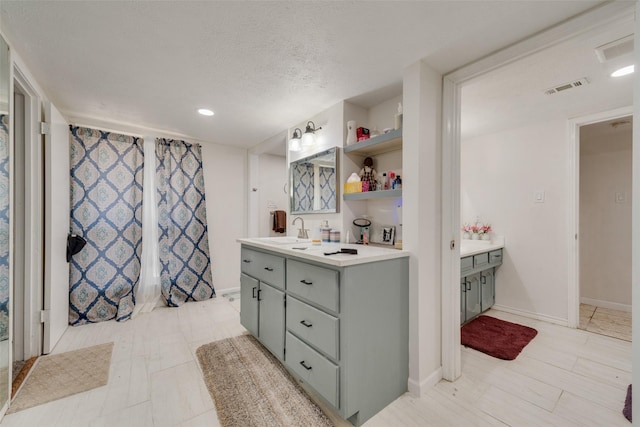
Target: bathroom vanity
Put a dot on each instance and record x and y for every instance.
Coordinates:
(478, 263)
(339, 323)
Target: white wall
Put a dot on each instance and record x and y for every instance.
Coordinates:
(272, 177)
(225, 183)
(499, 175)
(422, 215)
(605, 240)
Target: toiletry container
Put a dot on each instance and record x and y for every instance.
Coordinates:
(399, 116)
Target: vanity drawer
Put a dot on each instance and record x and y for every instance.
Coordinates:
(316, 284)
(313, 326)
(495, 257)
(480, 260)
(264, 267)
(466, 264)
(313, 368)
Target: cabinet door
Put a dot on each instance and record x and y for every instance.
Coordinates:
(271, 323)
(249, 303)
(463, 299)
(472, 296)
(488, 289)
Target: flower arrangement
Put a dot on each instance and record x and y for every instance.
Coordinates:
(485, 229)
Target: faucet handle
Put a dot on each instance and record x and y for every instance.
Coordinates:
(303, 233)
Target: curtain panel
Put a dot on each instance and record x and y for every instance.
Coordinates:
(327, 188)
(106, 210)
(185, 268)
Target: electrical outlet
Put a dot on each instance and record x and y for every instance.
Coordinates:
(538, 196)
(621, 197)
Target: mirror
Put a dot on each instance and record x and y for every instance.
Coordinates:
(313, 182)
(5, 383)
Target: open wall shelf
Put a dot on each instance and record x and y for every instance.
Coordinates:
(380, 144)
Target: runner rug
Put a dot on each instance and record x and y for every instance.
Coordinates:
(250, 387)
(60, 375)
(495, 337)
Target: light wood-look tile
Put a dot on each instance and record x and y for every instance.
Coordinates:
(605, 321)
(564, 377)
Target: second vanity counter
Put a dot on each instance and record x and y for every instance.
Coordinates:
(474, 247)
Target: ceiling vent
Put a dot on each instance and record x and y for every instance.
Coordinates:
(566, 86)
(615, 49)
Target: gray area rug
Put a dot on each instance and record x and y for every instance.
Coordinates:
(251, 388)
(60, 375)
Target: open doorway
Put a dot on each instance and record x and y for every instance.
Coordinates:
(27, 223)
(605, 176)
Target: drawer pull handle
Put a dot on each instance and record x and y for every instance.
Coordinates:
(466, 281)
(304, 365)
(483, 280)
(247, 261)
(305, 282)
(268, 268)
(308, 325)
(253, 292)
(259, 290)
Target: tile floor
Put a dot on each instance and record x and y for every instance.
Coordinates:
(605, 321)
(564, 377)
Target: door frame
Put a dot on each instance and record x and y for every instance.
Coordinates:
(451, 106)
(33, 223)
(573, 136)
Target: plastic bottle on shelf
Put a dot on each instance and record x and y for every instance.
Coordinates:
(391, 176)
(385, 182)
(399, 116)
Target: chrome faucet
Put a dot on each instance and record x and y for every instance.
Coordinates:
(302, 232)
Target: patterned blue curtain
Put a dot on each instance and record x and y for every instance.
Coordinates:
(304, 188)
(327, 188)
(4, 227)
(185, 268)
(106, 209)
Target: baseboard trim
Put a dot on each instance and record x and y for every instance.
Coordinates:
(606, 304)
(536, 316)
(223, 292)
(419, 389)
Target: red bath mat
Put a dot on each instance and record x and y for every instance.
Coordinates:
(495, 337)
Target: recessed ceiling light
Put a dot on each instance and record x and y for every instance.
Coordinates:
(623, 71)
(205, 112)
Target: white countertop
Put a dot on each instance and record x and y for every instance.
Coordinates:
(473, 247)
(286, 245)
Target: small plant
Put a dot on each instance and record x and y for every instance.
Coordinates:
(484, 229)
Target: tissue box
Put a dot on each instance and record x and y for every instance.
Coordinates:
(352, 187)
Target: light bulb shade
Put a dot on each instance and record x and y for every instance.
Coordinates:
(294, 144)
(309, 137)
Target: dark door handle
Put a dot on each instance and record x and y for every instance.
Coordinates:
(308, 368)
(483, 279)
(246, 261)
(253, 292)
(305, 282)
(464, 286)
(468, 285)
(268, 268)
(308, 325)
(259, 290)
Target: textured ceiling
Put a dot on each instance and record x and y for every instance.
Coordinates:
(261, 66)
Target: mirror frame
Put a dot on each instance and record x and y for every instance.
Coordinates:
(336, 153)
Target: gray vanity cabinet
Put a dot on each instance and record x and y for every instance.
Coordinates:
(261, 302)
(345, 329)
(478, 283)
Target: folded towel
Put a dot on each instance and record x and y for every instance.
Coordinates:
(279, 221)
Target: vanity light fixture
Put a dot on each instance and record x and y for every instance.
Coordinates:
(623, 71)
(309, 137)
(294, 142)
(205, 112)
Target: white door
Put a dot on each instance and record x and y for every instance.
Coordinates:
(56, 224)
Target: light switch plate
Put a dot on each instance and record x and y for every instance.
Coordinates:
(621, 197)
(538, 196)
